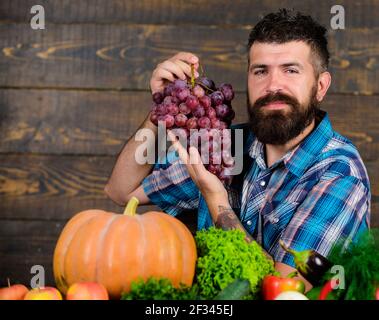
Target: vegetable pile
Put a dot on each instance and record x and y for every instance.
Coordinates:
(228, 268)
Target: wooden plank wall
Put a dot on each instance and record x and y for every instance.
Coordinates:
(70, 95)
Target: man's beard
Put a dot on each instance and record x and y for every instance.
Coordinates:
(280, 126)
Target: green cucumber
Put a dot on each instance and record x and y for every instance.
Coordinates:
(236, 290)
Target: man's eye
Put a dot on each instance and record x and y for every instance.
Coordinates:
(258, 72)
(292, 71)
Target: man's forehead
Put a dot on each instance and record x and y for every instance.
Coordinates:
(268, 53)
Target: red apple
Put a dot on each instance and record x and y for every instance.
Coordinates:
(45, 293)
(14, 292)
(87, 291)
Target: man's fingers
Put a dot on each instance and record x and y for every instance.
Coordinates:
(164, 74)
(183, 154)
(197, 164)
(174, 69)
(187, 68)
(186, 57)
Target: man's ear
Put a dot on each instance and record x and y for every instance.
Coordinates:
(323, 84)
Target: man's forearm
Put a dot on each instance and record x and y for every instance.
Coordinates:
(227, 220)
(223, 215)
(127, 174)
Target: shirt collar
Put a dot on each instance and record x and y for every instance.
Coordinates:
(299, 159)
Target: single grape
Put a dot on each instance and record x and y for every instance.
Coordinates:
(154, 118)
(222, 111)
(158, 97)
(168, 119)
(206, 83)
(217, 98)
(205, 101)
(204, 122)
(210, 113)
(198, 91)
(183, 108)
(181, 120)
(182, 94)
(199, 112)
(168, 89)
(192, 123)
(154, 107)
(175, 100)
(227, 91)
(172, 109)
(168, 100)
(215, 123)
(192, 102)
(161, 110)
(180, 84)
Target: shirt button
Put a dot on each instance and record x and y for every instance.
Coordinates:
(275, 220)
(262, 183)
(248, 222)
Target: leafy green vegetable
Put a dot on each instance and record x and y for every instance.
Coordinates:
(225, 256)
(159, 289)
(361, 265)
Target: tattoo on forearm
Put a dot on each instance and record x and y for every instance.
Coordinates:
(228, 220)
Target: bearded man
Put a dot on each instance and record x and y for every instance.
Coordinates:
(302, 182)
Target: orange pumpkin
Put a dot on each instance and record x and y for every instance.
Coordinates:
(114, 249)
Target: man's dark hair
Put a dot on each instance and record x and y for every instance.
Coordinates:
(286, 25)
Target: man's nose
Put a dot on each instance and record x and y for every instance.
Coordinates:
(274, 82)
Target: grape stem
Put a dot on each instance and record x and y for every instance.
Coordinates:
(192, 76)
(204, 86)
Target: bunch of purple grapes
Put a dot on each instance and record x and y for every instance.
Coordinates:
(199, 112)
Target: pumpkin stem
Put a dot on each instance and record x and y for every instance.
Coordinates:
(131, 207)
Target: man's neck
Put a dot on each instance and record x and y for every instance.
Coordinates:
(275, 152)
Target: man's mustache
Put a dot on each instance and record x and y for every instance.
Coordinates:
(273, 97)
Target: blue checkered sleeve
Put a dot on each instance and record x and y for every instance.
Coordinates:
(170, 187)
(336, 208)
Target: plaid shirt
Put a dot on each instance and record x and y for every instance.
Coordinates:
(315, 194)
